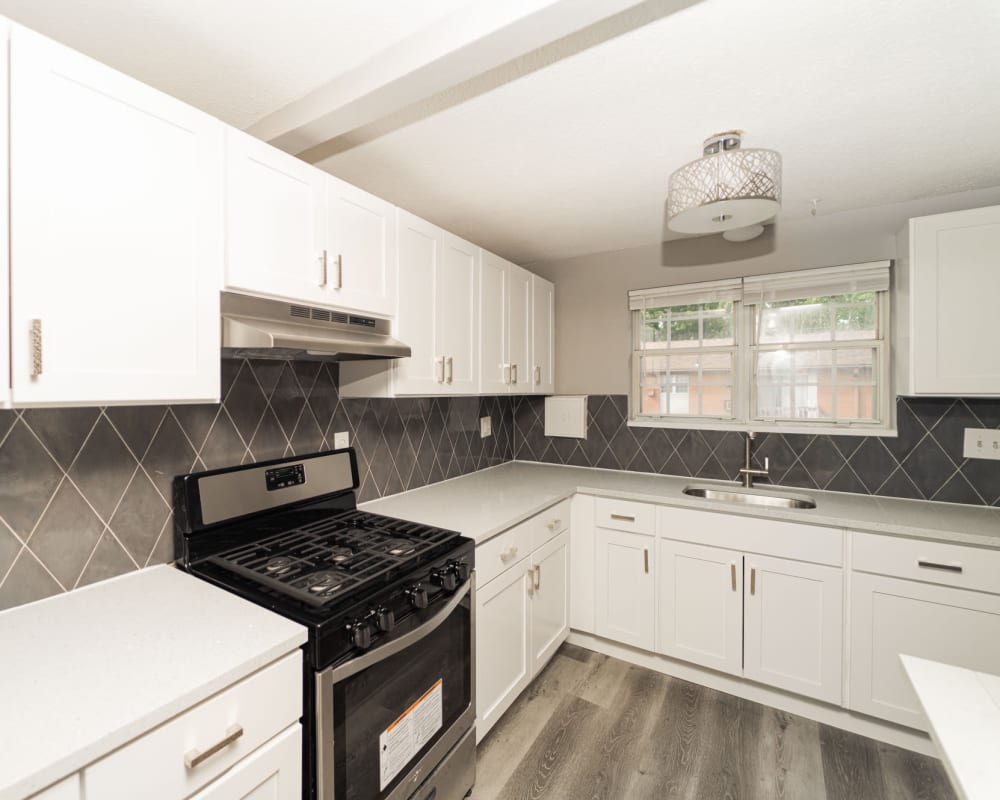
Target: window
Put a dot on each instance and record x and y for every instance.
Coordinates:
(798, 349)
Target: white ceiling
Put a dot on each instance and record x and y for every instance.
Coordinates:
(869, 103)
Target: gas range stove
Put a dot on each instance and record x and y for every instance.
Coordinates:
(390, 609)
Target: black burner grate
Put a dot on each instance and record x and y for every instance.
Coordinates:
(321, 561)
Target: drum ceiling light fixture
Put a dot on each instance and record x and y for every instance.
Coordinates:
(729, 189)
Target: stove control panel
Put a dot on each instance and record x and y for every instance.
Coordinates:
(285, 476)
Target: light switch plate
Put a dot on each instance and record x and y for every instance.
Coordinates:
(341, 440)
(982, 443)
(485, 427)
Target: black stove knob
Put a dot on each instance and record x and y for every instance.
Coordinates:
(461, 569)
(361, 635)
(385, 619)
(445, 578)
(417, 596)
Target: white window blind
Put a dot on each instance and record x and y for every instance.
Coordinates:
(870, 277)
(687, 294)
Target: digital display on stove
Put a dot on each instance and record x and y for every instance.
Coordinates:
(283, 477)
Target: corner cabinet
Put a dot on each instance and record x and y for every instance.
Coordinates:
(116, 246)
(946, 283)
(522, 609)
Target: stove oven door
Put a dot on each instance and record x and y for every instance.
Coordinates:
(387, 719)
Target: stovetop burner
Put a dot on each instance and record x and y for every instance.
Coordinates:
(320, 561)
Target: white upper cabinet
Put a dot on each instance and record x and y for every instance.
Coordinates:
(947, 282)
(506, 328)
(116, 235)
(275, 208)
(295, 232)
(360, 240)
(456, 333)
(543, 336)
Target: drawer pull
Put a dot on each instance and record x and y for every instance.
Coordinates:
(732, 575)
(935, 565)
(554, 524)
(645, 560)
(538, 577)
(753, 580)
(623, 517)
(508, 554)
(193, 757)
(531, 582)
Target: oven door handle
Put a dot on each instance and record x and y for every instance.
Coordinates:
(356, 665)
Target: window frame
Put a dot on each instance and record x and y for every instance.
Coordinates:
(745, 383)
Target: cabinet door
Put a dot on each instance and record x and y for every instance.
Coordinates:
(543, 335)
(419, 266)
(955, 282)
(66, 789)
(550, 600)
(503, 661)
(519, 322)
(272, 772)
(701, 605)
(274, 211)
(494, 344)
(793, 629)
(457, 296)
(624, 587)
(116, 235)
(361, 249)
(890, 617)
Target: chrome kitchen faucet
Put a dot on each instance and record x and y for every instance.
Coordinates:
(748, 472)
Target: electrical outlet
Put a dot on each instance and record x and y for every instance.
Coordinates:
(485, 427)
(341, 440)
(982, 443)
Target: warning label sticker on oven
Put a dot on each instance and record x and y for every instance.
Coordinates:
(402, 740)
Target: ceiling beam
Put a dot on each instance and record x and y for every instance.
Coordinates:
(471, 42)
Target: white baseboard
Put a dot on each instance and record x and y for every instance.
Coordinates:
(897, 735)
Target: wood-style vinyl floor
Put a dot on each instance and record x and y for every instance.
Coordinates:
(591, 727)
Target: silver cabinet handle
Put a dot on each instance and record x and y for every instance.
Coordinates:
(732, 575)
(340, 271)
(753, 580)
(554, 524)
(531, 582)
(506, 374)
(439, 368)
(936, 565)
(513, 373)
(538, 577)
(451, 368)
(508, 554)
(538, 375)
(36, 348)
(322, 268)
(623, 517)
(193, 758)
(645, 560)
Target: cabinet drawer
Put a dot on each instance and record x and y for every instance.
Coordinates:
(506, 549)
(154, 766)
(947, 564)
(625, 515)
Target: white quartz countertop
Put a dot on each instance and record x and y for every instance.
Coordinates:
(963, 708)
(85, 672)
(484, 503)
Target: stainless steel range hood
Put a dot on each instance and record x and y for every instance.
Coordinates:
(258, 328)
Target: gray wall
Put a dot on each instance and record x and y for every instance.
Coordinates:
(592, 321)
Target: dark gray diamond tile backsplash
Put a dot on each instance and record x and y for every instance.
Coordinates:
(85, 492)
(924, 462)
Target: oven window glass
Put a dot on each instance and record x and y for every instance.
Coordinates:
(367, 704)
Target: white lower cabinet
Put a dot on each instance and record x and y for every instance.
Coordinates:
(892, 617)
(624, 587)
(701, 605)
(522, 614)
(793, 626)
(272, 772)
(66, 789)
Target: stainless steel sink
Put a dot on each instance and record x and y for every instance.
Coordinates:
(750, 498)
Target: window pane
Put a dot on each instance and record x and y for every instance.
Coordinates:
(819, 319)
(689, 384)
(817, 384)
(701, 325)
